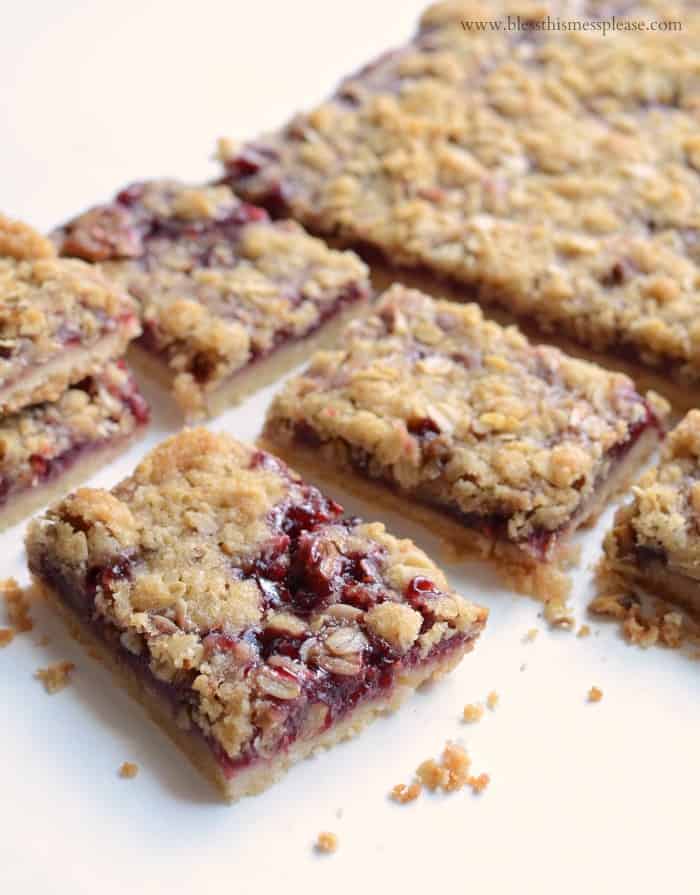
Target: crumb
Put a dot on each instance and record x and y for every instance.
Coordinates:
(558, 613)
(492, 700)
(479, 784)
(7, 635)
(473, 712)
(531, 635)
(55, 677)
(583, 631)
(595, 694)
(327, 843)
(128, 770)
(17, 605)
(404, 794)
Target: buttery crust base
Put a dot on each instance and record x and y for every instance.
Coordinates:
(259, 776)
(545, 581)
(253, 378)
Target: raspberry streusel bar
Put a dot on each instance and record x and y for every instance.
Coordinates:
(48, 448)
(60, 320)
(229, 299)
(654, 545)
(551, 172)
(254, 621)
(513, 445)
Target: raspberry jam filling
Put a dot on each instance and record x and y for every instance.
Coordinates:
(43, 468)
(311, 676)
(542, 543)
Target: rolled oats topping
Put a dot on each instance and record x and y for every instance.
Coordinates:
(218, 283)
(429, 397)
(263, 612)
(552, 171)
(56, 316)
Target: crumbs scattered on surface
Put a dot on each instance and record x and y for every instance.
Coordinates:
(7, 635)
(327, 843)
(128, 770)
(16, 605)
(473, 712)
(492, 700)
(595, 694)
(449, 774)
(404, 794)
(583, 631)
(55, 677)
(531, 635)
(557, 612)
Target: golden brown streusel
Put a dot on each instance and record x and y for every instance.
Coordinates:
(128, 770)
(595, 694)
(583, 631)
(55, 677)
(557, 613)
(492, 700)
(327, 843)
(7, 635)
(550, 171)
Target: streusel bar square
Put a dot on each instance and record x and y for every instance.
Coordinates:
(60, 320)
(553, 172)
(253, 619)
(511, 445)
(229, 299)
(654, 545)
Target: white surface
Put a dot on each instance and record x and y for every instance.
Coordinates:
(583, 797)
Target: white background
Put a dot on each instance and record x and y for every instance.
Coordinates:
(584, 798)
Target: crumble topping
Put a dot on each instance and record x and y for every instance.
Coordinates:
(327, 843)
(429, 396)
(37, 441)
(492, 700)
(557, 613)
(552, 172)
(247, 591)
(55, 677)
(404, 794)
(583, 631)
(48, 306)
(219, 284)
(595, 694)
(128, 770)
(449, 774)
(7, 635)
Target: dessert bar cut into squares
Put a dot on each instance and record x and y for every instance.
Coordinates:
(654, 545)
(229, 299)
(253, 619)
(46, 449)
(60, 320)
(505, 446)
(554, 173)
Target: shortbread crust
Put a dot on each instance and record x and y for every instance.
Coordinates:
(506, 447)
(223, 290)
(551, 172)
(254, 620)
